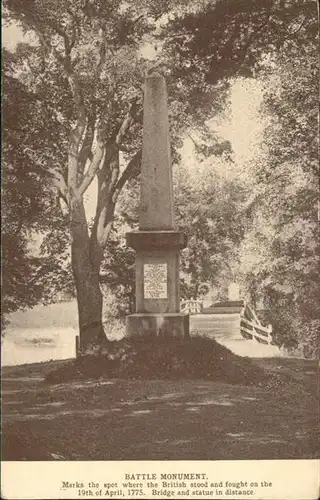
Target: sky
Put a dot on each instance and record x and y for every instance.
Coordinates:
(242, 125)
(11, 35)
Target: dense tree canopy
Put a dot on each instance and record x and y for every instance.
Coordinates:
(209, 208)
(83, 78)
(281, 250)
(28, 203)
(223, 39)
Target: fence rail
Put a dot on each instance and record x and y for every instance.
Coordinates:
(251, 330)
(192, 306)
(250, 325)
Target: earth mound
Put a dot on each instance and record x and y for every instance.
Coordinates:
(147, 358)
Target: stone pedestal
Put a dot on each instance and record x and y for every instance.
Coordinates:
(157, 243)
(157, 284)
(158, 325)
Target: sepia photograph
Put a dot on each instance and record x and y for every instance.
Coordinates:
(160, 248)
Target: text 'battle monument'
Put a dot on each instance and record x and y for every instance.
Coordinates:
(157, 243)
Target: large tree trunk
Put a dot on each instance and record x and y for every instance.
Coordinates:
(86, 262)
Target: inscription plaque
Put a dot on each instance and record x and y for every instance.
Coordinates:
(155, 281)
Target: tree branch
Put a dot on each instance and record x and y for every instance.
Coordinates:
(76, 30)
(93, 168)
(128, 121)
(107, 177)
(194, 142)
(59, 183)
(254, 34)
(102, 49)
(63, 34)
(65, 63)
(85, 151)
(131, 170)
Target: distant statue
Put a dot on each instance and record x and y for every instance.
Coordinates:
(233, 291)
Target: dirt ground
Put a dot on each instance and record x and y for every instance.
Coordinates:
(159, 419)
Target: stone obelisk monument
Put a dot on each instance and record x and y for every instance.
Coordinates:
(157, 243)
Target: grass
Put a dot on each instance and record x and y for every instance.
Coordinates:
(190, 400)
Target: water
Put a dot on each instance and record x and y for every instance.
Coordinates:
(34, 345)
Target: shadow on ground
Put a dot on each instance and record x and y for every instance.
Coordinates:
(158, 419)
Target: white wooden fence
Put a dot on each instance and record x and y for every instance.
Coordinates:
(191, 306)
(250, 325)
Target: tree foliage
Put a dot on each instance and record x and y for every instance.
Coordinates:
(281, 251)
(223, 39)
(28, 201)
(209, 208)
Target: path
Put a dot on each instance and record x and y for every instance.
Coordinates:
(225, 328)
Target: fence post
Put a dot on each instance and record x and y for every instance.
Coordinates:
(269, 333)
(77, 345)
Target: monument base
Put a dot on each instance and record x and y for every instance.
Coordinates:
(158, 325)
